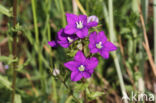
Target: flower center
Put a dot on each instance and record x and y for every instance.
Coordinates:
(81, 68)
(70, 40)
(99, 45)
(79, 24)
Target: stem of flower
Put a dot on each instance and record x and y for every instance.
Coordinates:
(85, 95)
(71, 91)
(14, 51)
(67, 87)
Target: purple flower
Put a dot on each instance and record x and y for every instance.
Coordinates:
(78, 25)
(99, 43)
(92, 19)
(81, 66)
(63, 39)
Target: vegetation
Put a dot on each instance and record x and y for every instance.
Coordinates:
(33, 72)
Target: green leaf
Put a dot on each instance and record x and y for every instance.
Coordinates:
(8, 60)
(69, 99)
(5, 11)
(137, 75)
(21, 66)
(5, 82)
(81, 86)
(18, 98)
(125, 30)
(94, 95)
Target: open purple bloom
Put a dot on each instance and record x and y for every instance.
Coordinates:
(99, 43)
(78, 25)
(81, 66)
(63, 39)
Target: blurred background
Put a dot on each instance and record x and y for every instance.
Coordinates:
(33, 72)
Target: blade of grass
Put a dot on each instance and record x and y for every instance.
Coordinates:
(145, 9)
(63, 13)
(113, 39)
(35, 21)
(81, 7)
(48, 31)
(38, 45)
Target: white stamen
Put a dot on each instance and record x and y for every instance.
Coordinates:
(70, 39)
(81, 68)
(99, 45)
(79, 25)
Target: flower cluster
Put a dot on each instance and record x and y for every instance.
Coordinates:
(77, 28)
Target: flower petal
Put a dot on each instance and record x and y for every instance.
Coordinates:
(70, 29)
(71, 18)
(52, 43)
(82, 33)
(64, 43)
(61, 35)
(104, 54)
(86, 74)
(80, 57)
(101, 37)
(92, 42)
(91, 63)
(92, 38)
(76, 76)
(71, 65)
(83, 18)
(108, 46)
(93, 50)
(92, 24)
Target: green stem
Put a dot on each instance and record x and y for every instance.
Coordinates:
(145, 9)
(113, 39)
(63, 13)
(85, 94)
(154, 31)
(37, 43)
(14, 51)
(35, 21)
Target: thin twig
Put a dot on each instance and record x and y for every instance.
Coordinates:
(124, 62)
(146, 44)
(154, 7)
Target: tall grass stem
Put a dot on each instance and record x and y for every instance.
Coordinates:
(63, 13)
(37, 44)
(113, 39)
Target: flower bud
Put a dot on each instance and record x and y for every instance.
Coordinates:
(56, 72)
(92, 18)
